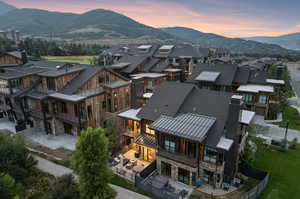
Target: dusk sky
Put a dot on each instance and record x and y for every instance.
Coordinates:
(233, 18)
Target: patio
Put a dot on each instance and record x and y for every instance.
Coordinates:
(165, 187)
(127, 165)
(210, 190)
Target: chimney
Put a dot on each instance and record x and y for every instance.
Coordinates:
(233, 132)
(24, 57)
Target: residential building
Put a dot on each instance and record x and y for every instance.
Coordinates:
(13, 35)
(258, 91)
(62, 98)
(193, 134)
(13, 58)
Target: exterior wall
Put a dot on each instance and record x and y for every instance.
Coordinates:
(119, 97)
(175, 165)
(98, 115)
(8, 59)
(60, 81)
(94, 81)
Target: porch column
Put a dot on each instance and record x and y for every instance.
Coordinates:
(79, 115)
(44, 117)
(174, 173)
(191, 177)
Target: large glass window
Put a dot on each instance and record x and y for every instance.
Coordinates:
(248, 97)
(210, 155)
(149, 131)
(183, 176)
(263, 99)
(169, 146)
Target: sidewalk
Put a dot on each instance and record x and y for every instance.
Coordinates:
(58, 170)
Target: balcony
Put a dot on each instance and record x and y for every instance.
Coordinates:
(70, 119)
(178, 157)
(213, 167)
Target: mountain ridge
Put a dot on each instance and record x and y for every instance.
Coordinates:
(107, 27)
(5, 8)
(289, 41)
(236, 45)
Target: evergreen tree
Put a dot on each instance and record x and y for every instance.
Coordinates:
(90, 161)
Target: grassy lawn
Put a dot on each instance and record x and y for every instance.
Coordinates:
(290, 114)
(284, 172)
(71, 59)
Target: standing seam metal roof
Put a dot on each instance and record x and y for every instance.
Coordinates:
(191, 126)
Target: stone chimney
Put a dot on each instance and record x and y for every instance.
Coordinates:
(233, 132)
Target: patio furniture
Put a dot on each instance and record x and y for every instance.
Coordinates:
(226, 186)
(129, 165)
(183, 193)
(236, 182)
(199, 183)
(137, 154)
(134, 162)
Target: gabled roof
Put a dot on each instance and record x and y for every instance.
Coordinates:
(226, 77)
(241, 76)
(186, 99)
(185, 50)
(75, 84)
(134, 61)
(189, 125)
(160, 103)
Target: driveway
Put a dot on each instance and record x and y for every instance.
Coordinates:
(40, 137)
(57, 171)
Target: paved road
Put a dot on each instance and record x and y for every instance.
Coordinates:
(274, 131)
(57, 170)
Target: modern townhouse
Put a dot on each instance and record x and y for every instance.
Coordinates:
(62, 98)
(194, 135)
(257, 89)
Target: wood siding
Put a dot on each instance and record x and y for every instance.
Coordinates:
(8, 59)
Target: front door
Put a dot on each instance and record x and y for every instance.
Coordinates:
(166, 169)
(68, 128)
(148, 154)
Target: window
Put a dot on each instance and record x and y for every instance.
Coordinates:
(104, 104)
(169, 146)
(89, 109)
(107, 79)
(149, 131)
(101, 80)
(210, 155)
(263, 99)
(190, 149)
(76, 110)
(248, 97)
(149, 84)
(183, 176)
(50, 84)
(64, 108)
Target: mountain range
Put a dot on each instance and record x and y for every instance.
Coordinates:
(107, 27)
(289, 41)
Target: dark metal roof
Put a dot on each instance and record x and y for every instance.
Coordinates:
(160, 103)
(184, 50)
(75, 84)
(189, 125)
(134, 60)
(37, 95)
(186, 98)
(226, 77)
(258, 77)
(242, 76)
(61, 71)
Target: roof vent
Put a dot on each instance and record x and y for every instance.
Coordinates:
(155, 110)
(58, 67)
(194, 109)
